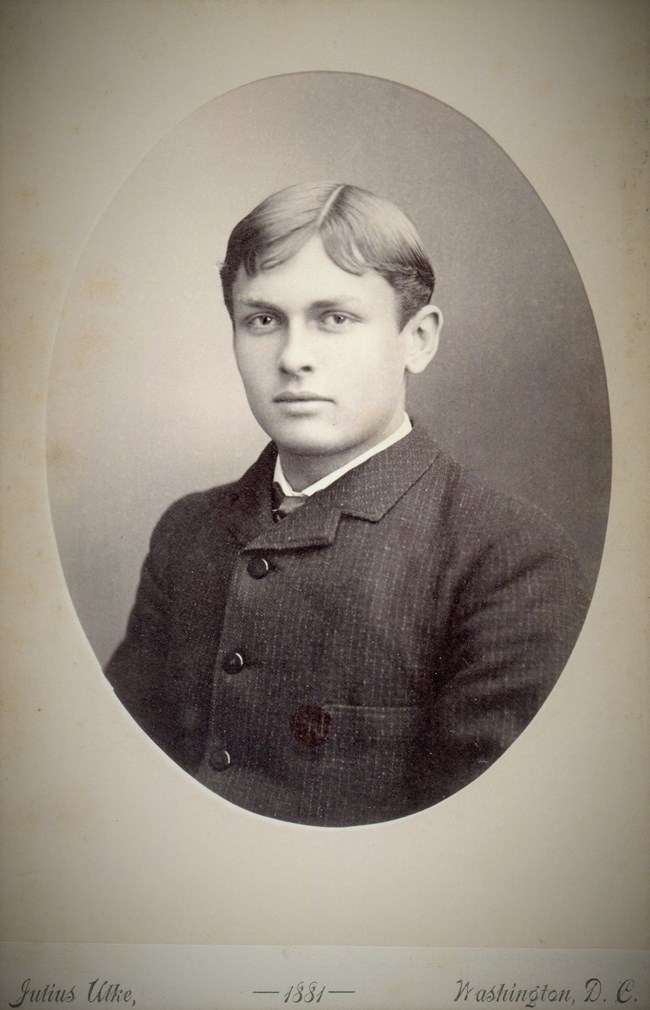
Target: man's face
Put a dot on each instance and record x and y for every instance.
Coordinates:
(321, 355)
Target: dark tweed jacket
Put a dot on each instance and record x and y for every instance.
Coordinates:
(362, 658)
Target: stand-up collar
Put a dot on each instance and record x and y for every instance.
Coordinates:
(367, 492)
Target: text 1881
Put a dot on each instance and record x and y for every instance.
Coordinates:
(304, 993)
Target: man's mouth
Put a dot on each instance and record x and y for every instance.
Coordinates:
(306, 396)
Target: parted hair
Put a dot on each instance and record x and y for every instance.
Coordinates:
(359, 231)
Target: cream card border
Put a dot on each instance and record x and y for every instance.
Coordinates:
(100, 843)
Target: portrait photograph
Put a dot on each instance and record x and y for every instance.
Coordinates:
(324, 653)
(371, 656)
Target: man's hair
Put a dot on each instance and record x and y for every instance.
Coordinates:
(359, 232)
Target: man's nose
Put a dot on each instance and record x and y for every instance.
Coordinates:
(297, 349)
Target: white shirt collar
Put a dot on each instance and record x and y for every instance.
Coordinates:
(329, 478)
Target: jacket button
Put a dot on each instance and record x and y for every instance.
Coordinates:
(220, 759)
(310, 725)
(233, 662)
(258, 567)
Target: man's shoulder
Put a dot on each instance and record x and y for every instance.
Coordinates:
(181, 523)
(476, 515)
(182, 519)
(194, 507)
(466, 492)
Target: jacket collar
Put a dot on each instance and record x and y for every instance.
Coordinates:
(365, 492)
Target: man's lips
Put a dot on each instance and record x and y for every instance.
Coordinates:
(303, 397)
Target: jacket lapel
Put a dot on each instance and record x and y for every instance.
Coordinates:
(370, 490)
(366, 492)
(250, 504)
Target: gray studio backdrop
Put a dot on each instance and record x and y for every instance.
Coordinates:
(145, 403)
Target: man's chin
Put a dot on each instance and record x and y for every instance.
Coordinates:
(308, 447)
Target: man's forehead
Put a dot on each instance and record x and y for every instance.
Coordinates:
(309, 273)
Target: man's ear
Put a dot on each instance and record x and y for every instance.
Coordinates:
(422, 334)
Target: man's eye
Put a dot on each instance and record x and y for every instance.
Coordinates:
(261, 322)
(336, 320)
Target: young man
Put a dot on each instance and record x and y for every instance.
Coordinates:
(358, 627)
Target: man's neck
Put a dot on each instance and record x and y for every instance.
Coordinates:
(301, 472)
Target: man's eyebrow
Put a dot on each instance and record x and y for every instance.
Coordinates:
(336, 303)
(321, 305)
(256, 303)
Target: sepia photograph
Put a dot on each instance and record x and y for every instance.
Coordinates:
(325, 582)
(370, 656)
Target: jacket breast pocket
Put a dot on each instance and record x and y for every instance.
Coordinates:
(366, 726)
(373, 761)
